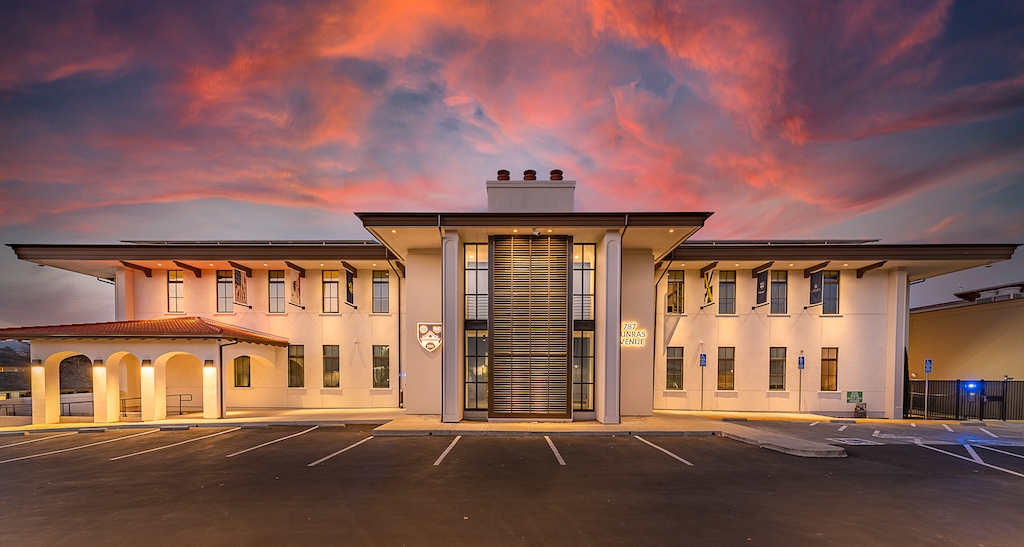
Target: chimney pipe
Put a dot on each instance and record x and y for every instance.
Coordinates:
(529, 174)
(503, 174)
(556, 174)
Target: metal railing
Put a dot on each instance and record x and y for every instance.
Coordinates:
(65, 408)
(967, 399)
(125, 409)
(12, 410)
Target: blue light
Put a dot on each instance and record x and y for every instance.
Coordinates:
(972, 385)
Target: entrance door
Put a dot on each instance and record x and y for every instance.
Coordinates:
(529, 328)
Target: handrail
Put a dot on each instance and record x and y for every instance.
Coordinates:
(180, 396)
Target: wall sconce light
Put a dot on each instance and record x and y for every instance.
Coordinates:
(147, 362)
(37, 363)
(98, 363)
(208, 364)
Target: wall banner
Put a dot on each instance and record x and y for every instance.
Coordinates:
(709, 294)
(762, 288)
(816, 279)
(241, 291)
(295, 287)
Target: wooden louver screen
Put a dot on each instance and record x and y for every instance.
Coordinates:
(529, 324)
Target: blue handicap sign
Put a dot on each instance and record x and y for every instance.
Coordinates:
(800, 362)
(928, 365)
(703, 359)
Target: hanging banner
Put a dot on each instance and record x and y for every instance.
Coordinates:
(350, 295)
(816, 287)
(295, 285)
(709, 295)
(762, 288)
(241, 292)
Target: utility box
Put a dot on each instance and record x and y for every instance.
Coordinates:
(860, 410)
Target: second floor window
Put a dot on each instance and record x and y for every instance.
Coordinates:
(583, 276)
(380, 291)
(476, 282)
(830, 291)
(727, 292)
(175, 291)
(277, 291)
(779, 282)
(675, 292)
(330, 291)
(225, 291)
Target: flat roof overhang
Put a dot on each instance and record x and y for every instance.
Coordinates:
(920, 261)
(660, 232)
(103, 260)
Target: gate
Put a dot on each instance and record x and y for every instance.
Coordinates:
(968, 399)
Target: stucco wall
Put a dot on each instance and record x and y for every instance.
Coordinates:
(637, 362)
(423, 377)
(978, 342)
(859, 331)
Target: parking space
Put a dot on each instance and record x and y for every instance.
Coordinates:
(239, 486)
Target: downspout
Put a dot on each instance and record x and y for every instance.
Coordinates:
(220, 381)
(398, 276)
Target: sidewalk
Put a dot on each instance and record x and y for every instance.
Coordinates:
(661, 423)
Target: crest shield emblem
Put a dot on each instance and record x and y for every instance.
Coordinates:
(429, 335)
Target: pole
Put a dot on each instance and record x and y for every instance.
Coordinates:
(702, 388)
(800, 396)
(925, 395)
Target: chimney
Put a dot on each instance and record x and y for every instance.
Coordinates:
(530, 195)
(503, 174)
(556, 174)
(529, 174)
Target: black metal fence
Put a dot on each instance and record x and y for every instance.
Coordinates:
(968, 399)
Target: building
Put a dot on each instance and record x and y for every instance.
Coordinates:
(980, 336)
(530, 310)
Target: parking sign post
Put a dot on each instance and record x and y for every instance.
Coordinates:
(927, 371)
(800, 393)
(703, 365)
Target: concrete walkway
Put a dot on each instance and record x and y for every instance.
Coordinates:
(661, 423)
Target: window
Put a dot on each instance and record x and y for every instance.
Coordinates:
(777, 369)
(583, 281)
(674, 368)
(332, 367)
(675, 292)
(727, 292)
(276, 291)
(476, 282)
(242, 367)
(829, 369)
(830, 291)
(726, 368)
(296, 366)
(175, 291)
(381, 366)
(476, 370)
(583, 370)
(779, 280)
(225, 291)
(330, 291)
(380, 292)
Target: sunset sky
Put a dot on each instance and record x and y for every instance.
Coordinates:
(901, 121)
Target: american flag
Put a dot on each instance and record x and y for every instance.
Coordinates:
(240, 289)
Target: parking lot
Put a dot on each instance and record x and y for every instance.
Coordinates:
(302, 485)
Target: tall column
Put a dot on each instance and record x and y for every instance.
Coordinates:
(154, 391)
(608, 295)
(451, 375)
(124, 295)
(45, 393)
(105, 393)
(897, 327)
(211, 396)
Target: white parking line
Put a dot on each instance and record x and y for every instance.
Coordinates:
(555, 450)
(812, 424)
(645, 441)
(912, 424)
(447, 450)
(843, 427)
(978, 461)
(974, 455)
(272, 442)
(176, 444)
(950, 429)
(989, 433)
(1000, 451)
(79, 447)
(349, 447)
(40, 439)
(875, 434)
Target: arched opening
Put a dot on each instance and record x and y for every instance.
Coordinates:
(184, 377)
(49, 404)
(124, 370)
(76, 389)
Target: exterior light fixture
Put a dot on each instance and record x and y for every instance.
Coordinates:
(209, 364)
(515, 231)
(37, 363)
(394, 231)
(211, 264)
(321, 264)
(147, 362)
(98, 363)
(549, 231)
(737, 264)
(264, 264)
(790, 264)
(845, 264)
(374, 264)
(672, 231)
(159, 264)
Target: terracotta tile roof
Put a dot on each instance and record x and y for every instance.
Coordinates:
(175, 327)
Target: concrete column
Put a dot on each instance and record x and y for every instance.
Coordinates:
(898, 327)
(124, 295)
(451, 372)
(105, 393)
(154, 391)
(608, 295)
(45, 393)
(211, 403)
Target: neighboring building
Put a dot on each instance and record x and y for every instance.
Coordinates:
(978, 337)
(527, 311)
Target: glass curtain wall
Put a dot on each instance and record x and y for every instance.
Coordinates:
(477, 290)
(583, 326)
